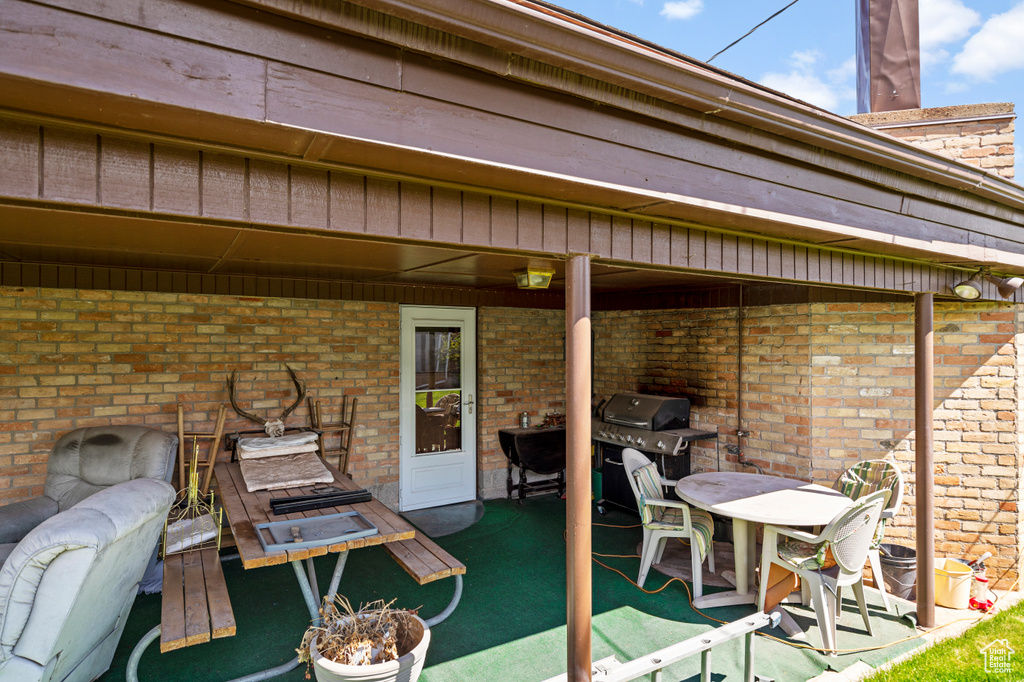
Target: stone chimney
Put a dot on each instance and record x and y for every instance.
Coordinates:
(978, 134)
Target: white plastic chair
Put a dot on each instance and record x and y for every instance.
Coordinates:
(867, 477)
(845, 540)
(663, 519)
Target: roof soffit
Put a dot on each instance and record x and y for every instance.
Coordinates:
(425, 165)
(309, 52)
(522, 31)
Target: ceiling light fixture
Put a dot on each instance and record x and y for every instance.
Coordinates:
(534, 278)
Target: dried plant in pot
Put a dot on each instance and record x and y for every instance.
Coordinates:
(374, 644)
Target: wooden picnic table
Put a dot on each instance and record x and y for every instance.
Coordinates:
(196, 604)
(246, 510)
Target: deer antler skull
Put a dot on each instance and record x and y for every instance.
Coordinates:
(273, 427)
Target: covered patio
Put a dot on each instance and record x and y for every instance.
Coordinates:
(527, 599)
(195, 188)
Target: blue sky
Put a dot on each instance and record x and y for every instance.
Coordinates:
(972, 51)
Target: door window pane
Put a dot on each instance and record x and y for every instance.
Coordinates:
(438, 389)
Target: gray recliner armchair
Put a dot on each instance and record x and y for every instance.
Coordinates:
(67, 588)
(82, 463)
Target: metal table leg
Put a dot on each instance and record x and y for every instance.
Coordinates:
(303, 577)
(307, 583)
(132, 674)
(431, 622)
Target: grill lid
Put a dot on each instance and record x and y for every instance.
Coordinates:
(653, 412)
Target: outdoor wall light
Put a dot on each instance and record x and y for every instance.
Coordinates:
(970, 289)
(533, 278)
(1006, 285)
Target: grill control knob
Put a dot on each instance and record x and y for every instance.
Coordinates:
(629, 439)
(640, 441)
(661, 445)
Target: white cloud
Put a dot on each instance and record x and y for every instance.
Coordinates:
(803, 86)
(997, 47)
(682, 9)
(943, 22)
(804, 59)
(845, 72)
(801, 81)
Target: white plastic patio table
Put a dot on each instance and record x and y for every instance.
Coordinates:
(749, 499)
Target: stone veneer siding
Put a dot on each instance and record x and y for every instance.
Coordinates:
(824, 385)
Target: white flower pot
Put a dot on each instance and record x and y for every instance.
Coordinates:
(406, 669)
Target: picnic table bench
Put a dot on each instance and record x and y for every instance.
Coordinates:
(426, 561)
(194, 606)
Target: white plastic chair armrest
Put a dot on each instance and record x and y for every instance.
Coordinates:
(668, 503)
(794, 533)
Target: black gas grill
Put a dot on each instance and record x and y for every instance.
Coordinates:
(658, 426)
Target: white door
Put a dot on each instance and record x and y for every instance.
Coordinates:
(437, 413)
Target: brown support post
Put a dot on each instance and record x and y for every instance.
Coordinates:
(924, 500)
(577, 466)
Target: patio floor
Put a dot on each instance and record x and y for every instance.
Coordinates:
(510, 624)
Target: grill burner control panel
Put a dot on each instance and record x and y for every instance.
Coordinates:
(661, 442)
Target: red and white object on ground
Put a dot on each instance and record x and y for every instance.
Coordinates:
(980, 596)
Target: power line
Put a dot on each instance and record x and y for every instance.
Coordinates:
(752, 30)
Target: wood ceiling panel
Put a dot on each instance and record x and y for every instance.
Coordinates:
(606, 278)
(46, 236)
(27, 226)
(278, 247)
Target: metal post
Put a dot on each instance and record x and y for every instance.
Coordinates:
(924, 499)
(577, 450)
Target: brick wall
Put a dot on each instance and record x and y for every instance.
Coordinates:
(827, 385)
(863, 408)
(520, 367)
(694, 353)
(824, 385)
(978, 134)
(75, 358)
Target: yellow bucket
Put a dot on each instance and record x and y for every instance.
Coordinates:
(952, 583)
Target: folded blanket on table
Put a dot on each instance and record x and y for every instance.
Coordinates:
(251, 448)
(284, 471)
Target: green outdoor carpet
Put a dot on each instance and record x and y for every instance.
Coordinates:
(510, 624)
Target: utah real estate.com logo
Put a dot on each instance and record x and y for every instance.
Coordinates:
(997, 656)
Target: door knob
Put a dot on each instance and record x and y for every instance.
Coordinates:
(469, 403)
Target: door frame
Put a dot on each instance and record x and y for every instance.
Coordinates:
(411, 316)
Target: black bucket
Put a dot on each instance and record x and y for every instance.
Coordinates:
(899, 570)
